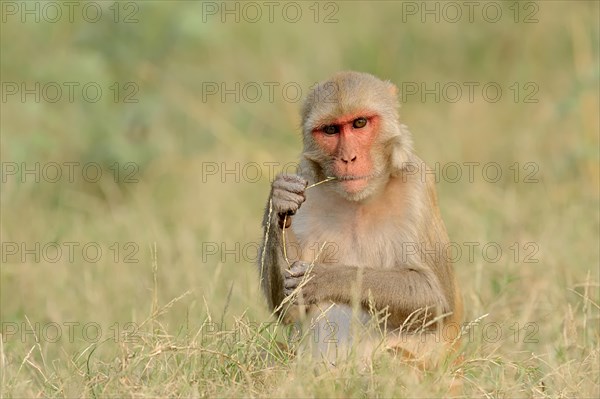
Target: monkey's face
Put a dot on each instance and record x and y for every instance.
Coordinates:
(351, 131)
(348, 147)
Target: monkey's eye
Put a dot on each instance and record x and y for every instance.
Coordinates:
(331, 129)
(359, 123)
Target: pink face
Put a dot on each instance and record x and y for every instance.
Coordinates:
(348, 141)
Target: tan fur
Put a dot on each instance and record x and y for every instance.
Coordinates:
(368, 263)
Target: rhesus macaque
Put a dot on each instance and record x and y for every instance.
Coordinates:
(378, 213)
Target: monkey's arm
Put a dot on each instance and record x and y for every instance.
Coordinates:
(287, 194)
(402, 289)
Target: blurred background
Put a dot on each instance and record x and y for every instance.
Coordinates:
(134, 128)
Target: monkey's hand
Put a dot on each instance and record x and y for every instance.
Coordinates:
(302, 275)
(287, 195)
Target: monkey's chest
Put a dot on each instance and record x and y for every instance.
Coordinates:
(348, 238)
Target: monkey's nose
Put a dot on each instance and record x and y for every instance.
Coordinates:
(345, 159)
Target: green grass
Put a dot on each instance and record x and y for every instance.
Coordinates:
(195, 313)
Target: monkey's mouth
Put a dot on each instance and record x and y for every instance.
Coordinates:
(357, 177)
(355, 183)
(348, 178)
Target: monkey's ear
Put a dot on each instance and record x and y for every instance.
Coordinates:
(393, 89)
(401, 151)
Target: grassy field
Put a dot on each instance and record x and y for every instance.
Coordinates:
(138, 142)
